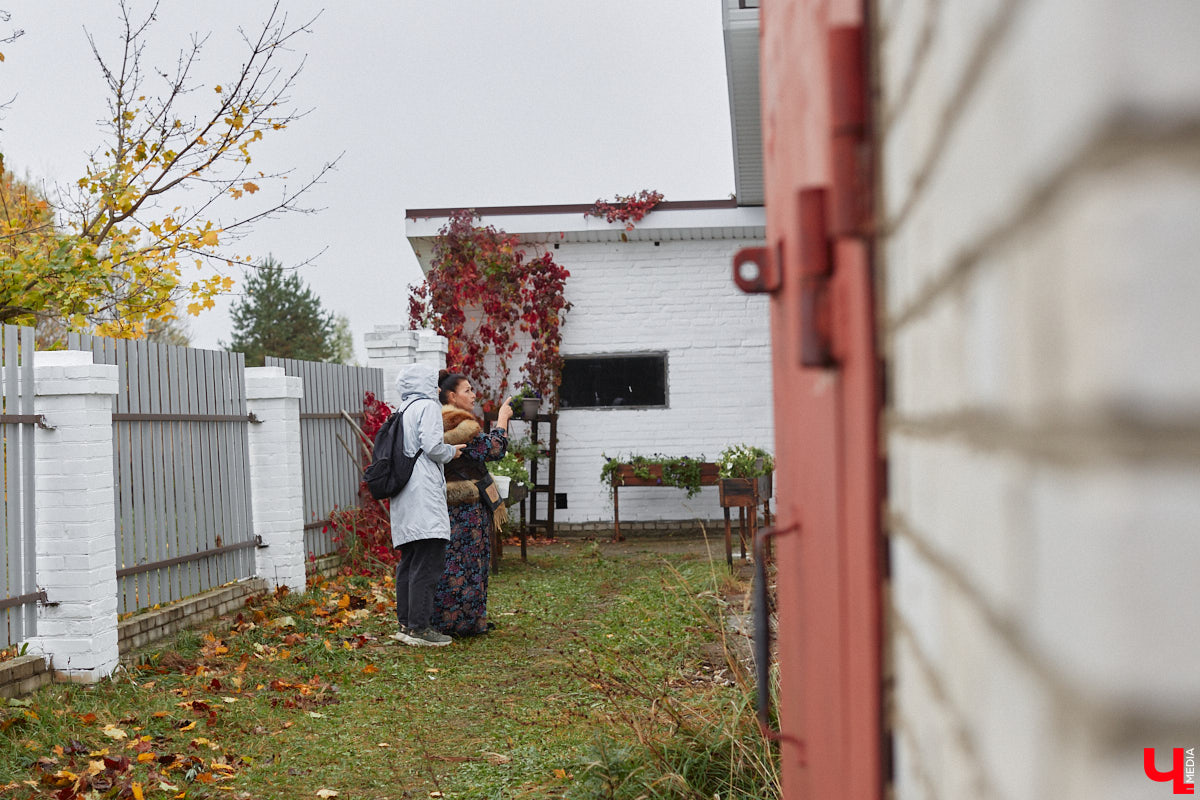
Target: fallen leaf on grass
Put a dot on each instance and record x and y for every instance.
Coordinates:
(326, 793)
(113, 732)
(370, 669)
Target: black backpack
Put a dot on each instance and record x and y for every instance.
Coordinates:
(390, 468)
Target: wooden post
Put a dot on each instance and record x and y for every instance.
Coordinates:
(616, 516)
(728, 540)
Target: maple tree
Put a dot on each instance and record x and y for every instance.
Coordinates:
(484, 293)
(147, 207)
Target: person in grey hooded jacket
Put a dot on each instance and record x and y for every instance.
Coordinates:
(420, 519)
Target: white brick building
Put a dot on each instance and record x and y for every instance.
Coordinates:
(661, 291)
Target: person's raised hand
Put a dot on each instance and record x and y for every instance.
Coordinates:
(458, 448)
(505, 413)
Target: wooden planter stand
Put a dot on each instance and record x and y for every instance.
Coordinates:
(624, 476)
(516, 494)
(746, 495)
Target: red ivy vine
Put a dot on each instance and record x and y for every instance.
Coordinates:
(629, 209)
(363, 533)
(481, 292)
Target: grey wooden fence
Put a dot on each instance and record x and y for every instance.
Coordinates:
(180, 459)
(19, 601)
(331, 475)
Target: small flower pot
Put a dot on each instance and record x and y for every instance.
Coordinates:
(502, 484)
(530, 406)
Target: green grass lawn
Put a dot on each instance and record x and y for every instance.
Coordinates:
(605, 677)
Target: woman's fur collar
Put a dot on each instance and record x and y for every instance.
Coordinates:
(460, 426)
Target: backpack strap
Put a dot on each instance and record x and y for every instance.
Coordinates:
(398, 444)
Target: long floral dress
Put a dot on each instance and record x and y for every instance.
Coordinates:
(460, 600)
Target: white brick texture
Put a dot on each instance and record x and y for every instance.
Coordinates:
(1040, 188)
(277, 475)
(76, 544)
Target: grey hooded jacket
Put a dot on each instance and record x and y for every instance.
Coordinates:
(419, 511)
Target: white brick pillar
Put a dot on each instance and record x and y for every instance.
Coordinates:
(390, 347)
(73, 501)
(277, 475)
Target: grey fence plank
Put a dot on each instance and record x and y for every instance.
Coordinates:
(14, 550)
(206, 491)
(244, 530)
(202, 472)
(28, 520)
(166, 432)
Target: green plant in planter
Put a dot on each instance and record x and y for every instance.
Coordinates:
(524, 449)
(511, 466)
(682, 471)
(526, 392)
(516, 456)
(744, 461)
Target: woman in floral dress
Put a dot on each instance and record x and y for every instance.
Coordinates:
(460, 600)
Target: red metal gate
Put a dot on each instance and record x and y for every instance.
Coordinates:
(818, 268)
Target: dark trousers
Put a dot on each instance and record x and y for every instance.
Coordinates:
(417, 575)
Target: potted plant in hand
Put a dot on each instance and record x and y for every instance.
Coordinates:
(526, 402)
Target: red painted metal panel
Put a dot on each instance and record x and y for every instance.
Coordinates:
(818, 181)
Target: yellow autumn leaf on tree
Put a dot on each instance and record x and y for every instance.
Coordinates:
(209, 239)
(250, 187)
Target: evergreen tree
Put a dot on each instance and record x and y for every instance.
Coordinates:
(280, 316)
(343, 341)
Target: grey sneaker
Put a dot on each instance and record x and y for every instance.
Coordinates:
(426, 637)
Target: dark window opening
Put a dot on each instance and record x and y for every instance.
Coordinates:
(613, 381)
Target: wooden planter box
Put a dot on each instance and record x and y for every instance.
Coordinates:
(744, 492)
(746, 495)
(624, 476)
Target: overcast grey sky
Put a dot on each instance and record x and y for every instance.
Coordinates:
(433, 102)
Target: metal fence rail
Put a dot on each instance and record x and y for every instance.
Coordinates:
(18, 605)
(331, 476)
(180, 460)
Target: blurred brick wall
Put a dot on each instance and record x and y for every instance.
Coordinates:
(1040, 233)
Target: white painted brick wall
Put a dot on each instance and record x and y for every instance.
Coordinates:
(73, 505)
(1040, 188)
(277, 475)
(677, 297)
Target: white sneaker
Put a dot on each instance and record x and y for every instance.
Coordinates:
(427, 637)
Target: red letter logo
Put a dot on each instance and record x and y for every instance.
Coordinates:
(1175, 775)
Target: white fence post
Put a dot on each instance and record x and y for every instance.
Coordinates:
(76, 534)
(390, 347)
(277, 475)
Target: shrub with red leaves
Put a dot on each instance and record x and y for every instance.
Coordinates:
(481, 293)
(364, 534)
